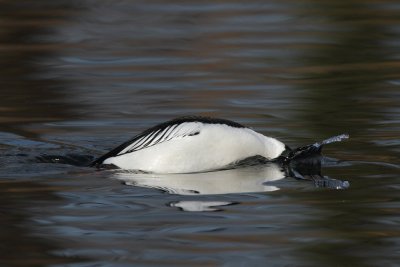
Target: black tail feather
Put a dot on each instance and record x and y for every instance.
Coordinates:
(304, 163)
(310, 151)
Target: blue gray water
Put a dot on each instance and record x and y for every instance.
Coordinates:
(80, 77)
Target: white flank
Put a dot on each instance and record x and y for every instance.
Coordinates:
(195, 147)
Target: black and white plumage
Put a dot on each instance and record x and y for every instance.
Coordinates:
(191, 144)
(200, 144)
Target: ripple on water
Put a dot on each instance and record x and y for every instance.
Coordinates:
(80, 77)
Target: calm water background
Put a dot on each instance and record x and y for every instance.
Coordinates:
(83, 76)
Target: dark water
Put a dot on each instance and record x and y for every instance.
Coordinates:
(83, 76)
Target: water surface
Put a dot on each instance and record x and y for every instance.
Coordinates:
(80, 77)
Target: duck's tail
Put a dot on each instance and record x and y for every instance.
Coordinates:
(309, 152)
(305, 163)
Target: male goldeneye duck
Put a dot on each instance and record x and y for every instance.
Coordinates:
(199, 144)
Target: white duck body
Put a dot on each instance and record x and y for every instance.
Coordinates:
(191, 144)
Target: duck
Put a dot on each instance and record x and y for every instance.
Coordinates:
(194, 144)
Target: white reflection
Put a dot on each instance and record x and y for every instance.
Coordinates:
(241, 180)
(200, 205)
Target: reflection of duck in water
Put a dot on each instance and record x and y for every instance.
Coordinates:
(238, 180)
(199, 144)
